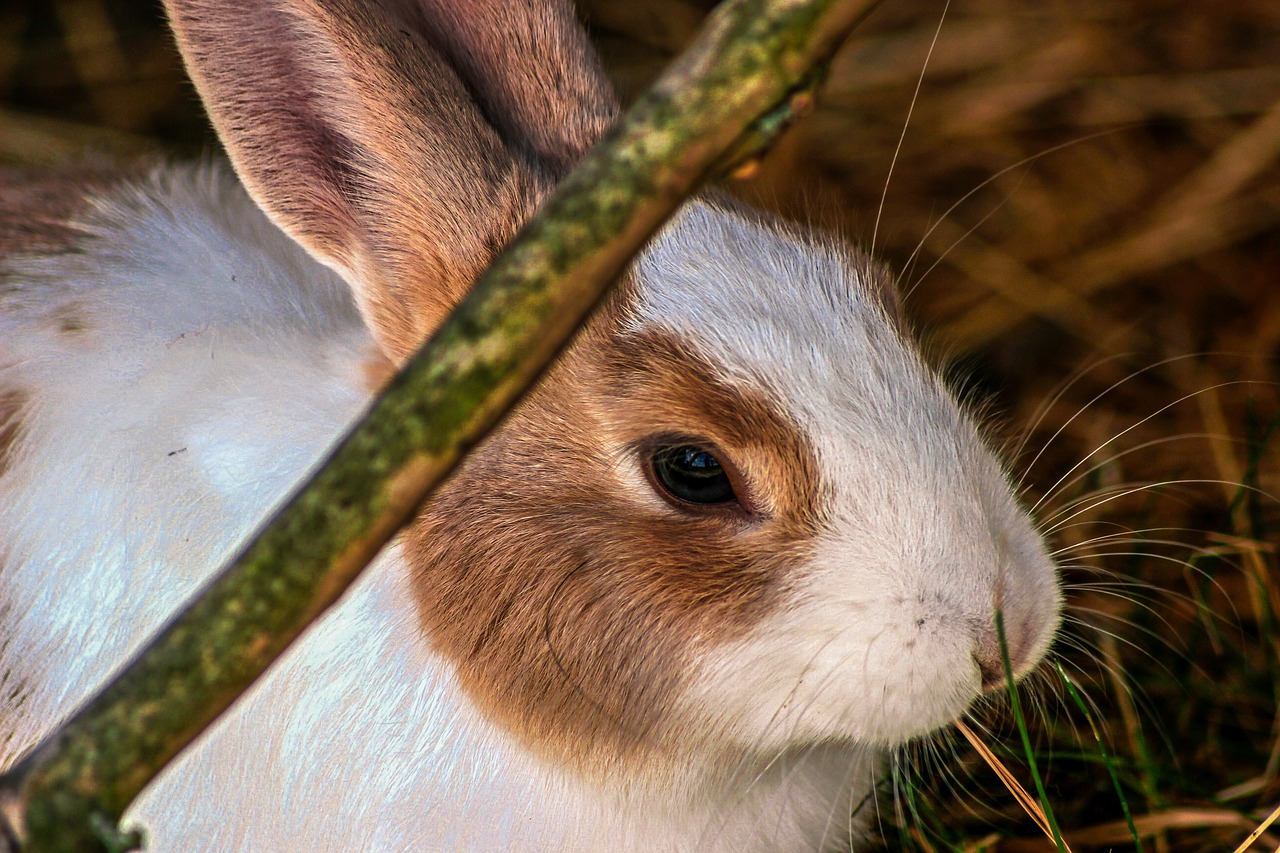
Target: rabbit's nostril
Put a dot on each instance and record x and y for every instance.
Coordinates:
(991, 671)
(986, 654)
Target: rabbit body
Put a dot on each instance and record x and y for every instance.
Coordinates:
(557, 655)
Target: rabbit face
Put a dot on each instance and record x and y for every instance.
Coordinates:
(835, 576)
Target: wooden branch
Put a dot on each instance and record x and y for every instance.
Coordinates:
(722, 101)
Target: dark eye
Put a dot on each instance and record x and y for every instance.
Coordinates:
(693, 475)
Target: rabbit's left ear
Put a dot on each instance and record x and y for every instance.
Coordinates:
(401, 143)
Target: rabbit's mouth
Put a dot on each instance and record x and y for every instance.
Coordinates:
(882, 656)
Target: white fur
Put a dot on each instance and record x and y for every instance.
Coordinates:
(135, 480)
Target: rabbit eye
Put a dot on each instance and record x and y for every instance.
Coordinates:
(691, 474)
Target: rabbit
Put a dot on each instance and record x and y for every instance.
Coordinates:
(736, 546)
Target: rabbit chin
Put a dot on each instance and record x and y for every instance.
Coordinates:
(864, 681)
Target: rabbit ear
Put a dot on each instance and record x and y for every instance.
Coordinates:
(532, 70)
(400, 143)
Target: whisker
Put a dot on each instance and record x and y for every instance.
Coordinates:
(915, 97)
(1146, 487)
(1025, 161)
(1148, 445)
(1045, 406)
(1125, 535)
(1184, 398)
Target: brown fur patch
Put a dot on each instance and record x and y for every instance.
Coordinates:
(574, 608)
(11, 403)
(376, 371)
(660, 379)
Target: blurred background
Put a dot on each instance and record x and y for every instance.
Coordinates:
(1084, 209)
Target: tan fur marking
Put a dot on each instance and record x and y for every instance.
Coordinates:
(376, 371)
(574, 608)
(11, 403)
(659, 375)
(71, 321)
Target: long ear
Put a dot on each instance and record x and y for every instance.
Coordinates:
(400, 143)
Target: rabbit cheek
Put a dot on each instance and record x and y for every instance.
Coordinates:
(578, 636)
(573, 604)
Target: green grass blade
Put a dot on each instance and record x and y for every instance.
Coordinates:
(1102, 750)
